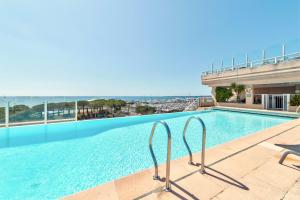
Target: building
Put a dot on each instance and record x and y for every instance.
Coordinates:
(270, 83)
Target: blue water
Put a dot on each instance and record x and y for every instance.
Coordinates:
(50, 161)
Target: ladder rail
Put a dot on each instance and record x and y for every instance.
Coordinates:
(202, 170)
(156, 176)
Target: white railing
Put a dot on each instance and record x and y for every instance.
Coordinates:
(39, 113)
(254, 63)
(200, 102)
(193, 106)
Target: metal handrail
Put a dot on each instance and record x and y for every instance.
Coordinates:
(156, 177)
(202, 170)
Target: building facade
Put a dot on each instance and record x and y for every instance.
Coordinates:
(270, 83)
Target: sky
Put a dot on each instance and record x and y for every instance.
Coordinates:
(132, 47)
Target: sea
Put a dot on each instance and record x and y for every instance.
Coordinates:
(34, 100)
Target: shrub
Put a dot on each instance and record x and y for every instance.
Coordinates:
(145, 110)
(223, 94)
(295, 100)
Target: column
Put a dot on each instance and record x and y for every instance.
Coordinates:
(213, 94)
(249, 94)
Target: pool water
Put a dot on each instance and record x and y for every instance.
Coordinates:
(50, 161)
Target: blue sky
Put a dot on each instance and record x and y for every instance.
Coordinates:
(134, 47)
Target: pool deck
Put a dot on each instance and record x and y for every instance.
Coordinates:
(245, 168)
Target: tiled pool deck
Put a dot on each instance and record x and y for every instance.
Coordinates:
(246, 168)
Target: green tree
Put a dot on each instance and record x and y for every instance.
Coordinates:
(39, 109)
(145, 109)
(18, 108)
(295, 100)
(97, 106)
(119, 104)
(2, 114)
(83, 105)
(223, 94)
(238, 89)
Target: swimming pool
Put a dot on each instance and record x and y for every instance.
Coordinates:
(50, 161)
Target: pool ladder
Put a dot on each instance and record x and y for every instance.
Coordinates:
(156, 176)
(202, 170)
(168, 162)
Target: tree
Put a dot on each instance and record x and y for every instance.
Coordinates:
(2, 114)
(83, 105)
(238, 89)
(145, 110)
(97, 105)
(110, 103)
(223, 94)
(19, 108)
(39, 109)
(295, 100)
(119, 104)
(115, 105)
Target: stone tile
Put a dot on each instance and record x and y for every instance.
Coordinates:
(294, 192)
(276, 175)
(262, 189)
(136, 185)
(243, 163)
(199, 186)
(105, 191)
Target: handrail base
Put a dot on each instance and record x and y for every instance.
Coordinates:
(167, 189)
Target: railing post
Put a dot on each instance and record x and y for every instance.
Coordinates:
(222, 65)
(246, 60)
(251, 64)
(45, 112)
(76, 110)
(263, 56)
(7, 114)
(283, 52)
(232, 63)
(212, 68)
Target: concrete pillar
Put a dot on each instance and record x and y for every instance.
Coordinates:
(249, 94)
(213, 94)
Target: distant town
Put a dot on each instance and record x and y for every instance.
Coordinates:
(18, 113)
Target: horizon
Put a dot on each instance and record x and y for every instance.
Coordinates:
(134, 48)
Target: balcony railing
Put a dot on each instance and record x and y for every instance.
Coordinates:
(242, 62)
(13, 112)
